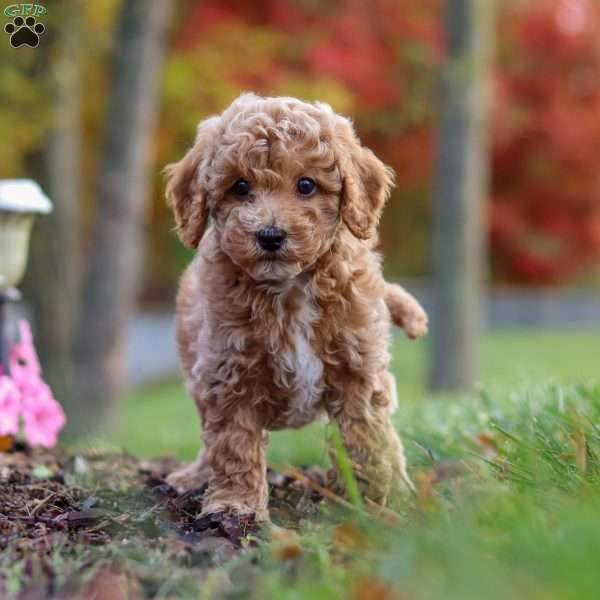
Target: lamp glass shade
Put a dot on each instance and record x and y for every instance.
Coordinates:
(15, 229)
(20, 201)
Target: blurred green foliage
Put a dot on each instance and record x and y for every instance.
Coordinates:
(162, 419)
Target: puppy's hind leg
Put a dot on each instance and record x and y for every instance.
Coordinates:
(192, 476)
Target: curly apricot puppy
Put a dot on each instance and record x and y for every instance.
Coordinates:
(283, 314)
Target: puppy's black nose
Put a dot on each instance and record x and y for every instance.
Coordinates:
(271, 238)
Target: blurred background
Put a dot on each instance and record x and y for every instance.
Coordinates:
(488, 112)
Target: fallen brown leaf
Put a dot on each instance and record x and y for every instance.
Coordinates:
(108, 584)
(6, 443)
(285, 544)
(348, 537)
(373, 589)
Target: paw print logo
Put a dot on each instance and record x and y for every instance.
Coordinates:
(24, 32)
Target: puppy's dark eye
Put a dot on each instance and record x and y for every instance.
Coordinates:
(306, 186)
(241, 187)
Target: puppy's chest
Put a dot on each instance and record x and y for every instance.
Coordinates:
(296, 366)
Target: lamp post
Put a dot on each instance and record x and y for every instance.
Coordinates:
(20, 201)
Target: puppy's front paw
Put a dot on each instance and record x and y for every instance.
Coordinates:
(235, 508)
(416, 323)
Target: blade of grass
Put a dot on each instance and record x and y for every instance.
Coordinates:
(345, 467)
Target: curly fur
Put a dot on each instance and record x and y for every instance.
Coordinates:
(273, 342)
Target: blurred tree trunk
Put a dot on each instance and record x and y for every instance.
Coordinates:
(112, 279)
(459, 198)
(51, 285)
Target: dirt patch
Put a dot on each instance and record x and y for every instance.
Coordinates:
(108, 526)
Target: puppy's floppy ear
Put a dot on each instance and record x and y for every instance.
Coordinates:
(185, 191)
(367, 183)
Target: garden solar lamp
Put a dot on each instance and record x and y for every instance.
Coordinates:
(20, 201)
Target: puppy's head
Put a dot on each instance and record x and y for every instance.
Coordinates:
(279, 178)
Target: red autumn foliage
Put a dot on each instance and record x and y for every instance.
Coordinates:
(545, 204)
(545, 218)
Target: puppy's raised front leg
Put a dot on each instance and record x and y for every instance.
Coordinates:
(405, 310)
(372, 444)
(235, 453)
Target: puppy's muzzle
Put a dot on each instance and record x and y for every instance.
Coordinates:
(271, 239)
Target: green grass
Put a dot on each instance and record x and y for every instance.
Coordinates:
(162, 419)
(519, 518)
(508, 480)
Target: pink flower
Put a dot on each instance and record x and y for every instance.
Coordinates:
(25, 367)
(28, 396)
(43, 416)
(10, 405)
